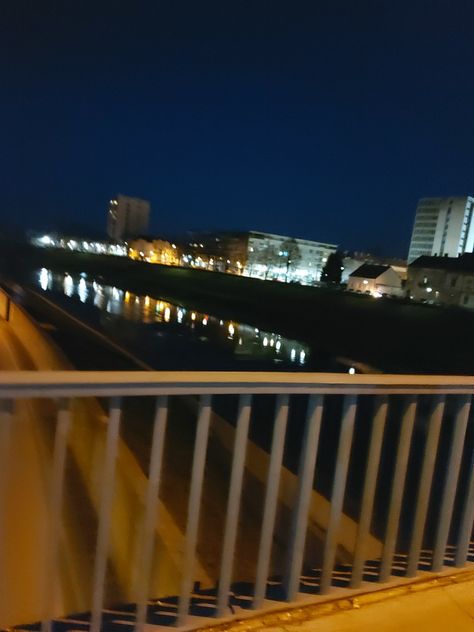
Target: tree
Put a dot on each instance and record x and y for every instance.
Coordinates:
(290, 252)
(332, 271)
(268, 257)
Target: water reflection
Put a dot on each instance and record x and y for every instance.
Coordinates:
(68, 285)
(243, 340)
(45, 279)
(82, 290)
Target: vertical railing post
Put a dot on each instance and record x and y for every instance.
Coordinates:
(6, 421)
(271, 499)
(233, 503)
(151, 511)
(55, 501)
(398, 487)
(307, 465)
(467, 520)
(450, 486)
(424, 489)
(338, 490)
(105, 510)
(194, 506)
(368, 494)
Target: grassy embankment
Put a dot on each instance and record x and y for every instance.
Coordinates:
(392, 335)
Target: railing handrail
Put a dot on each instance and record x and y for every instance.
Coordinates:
(128, 383)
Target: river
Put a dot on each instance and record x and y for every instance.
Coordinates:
(168, 336)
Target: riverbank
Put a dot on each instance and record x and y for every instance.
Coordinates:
(395, 336)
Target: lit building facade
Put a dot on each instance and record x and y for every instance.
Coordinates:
(442, 280)
(217, 252)
(281, 258)
(127, 217)
(154, 251)
(80, 244)
(260, 255)
(443, 227)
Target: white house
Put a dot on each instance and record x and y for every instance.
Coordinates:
(376, 280)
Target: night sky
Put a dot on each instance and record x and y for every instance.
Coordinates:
(324, 120)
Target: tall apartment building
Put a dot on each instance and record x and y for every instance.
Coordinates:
(127, 218)
(443, 227)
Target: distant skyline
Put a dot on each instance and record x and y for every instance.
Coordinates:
(321, 120)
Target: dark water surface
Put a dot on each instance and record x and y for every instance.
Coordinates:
(168, 336)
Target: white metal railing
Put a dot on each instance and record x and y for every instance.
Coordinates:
(416, 406)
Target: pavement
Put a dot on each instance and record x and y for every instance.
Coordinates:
(430, 604)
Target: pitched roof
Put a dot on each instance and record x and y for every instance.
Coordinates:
(464, 263)
(369, 271)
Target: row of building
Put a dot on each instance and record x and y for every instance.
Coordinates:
(433, 280)
(439, 265)
(442, 226)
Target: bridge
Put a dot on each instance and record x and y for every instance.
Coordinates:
(357, 482)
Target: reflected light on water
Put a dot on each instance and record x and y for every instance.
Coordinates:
(45, 279)
(82, 291)
(68, 285)
(241, 339)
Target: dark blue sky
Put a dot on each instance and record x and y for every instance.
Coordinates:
(325, 120)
